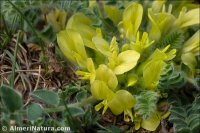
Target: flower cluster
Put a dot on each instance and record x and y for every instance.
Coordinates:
(120, 68)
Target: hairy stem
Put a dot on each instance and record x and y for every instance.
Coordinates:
(89, 100)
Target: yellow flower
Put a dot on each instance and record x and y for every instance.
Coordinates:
(160, 23)
(119, 63)
(193, 44)
(100, 91)
(72, 46)
(157, 5)
(102, 73)
(82, 24)
(164, 22)
(103, 83)
(91, 74)
(151, 123)
(140, 44)
(105, 74)
(121, 102)
(131, 20)
(191, 49)
(187, 18)
(124, 62)
(152, 72)
(57, 19)
(153, 67)
(113, 13)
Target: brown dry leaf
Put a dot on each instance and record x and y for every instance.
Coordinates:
(54, 64)
(108, 117)
(33, 47)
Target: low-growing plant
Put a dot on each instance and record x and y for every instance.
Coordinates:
(130, 69)
(132, 58)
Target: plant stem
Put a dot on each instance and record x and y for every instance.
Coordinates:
(84, 102)
(14, 61)
(89, 100)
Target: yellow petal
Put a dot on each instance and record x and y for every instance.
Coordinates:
(99, 106)
(137, 125)
(90, 65)
(128, 100)
(104, 104)
(100, 90)
(128, 115)
(192, 43)
(114, 46)
(84, 75)
(141, 44)
(116, 106)
(102, 45)
(125, 47)
(151, 73)
(189, 18)
(132, 80)
(189, 60)
(64, 45)
(82, 24)
(126, 61)
(57, 19)
(91, 69)
(171, 54)
(79, 60)
(164, 116)
(105, 74)
(78, 17)
(157, 5)
(160, 24)
(71, 44)
(155, 32)
(119, 104)
(132, 17)
(151, 123)
(113, 13)
(158, 55)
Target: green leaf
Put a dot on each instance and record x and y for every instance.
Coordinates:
(34, 111)
(146, 103)
(11, 98)
(46, 96)
(175, 40)
(81, 95)
(171, 79)
(76, 111)
(197, 83)
(186, 117)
